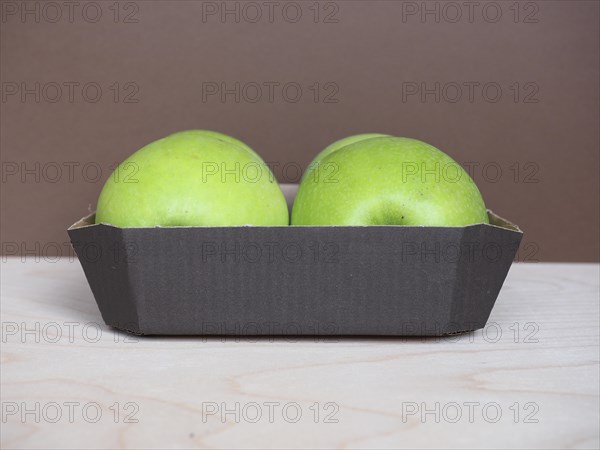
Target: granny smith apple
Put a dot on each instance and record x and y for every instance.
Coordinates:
(389, 180)
(192, 178)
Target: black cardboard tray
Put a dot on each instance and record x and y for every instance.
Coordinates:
(375, 280)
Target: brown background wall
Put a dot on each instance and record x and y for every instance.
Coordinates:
(542, 133)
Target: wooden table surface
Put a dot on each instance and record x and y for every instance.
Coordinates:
(529, 379)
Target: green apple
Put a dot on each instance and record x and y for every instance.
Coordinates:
(192, 178)
(389, 181)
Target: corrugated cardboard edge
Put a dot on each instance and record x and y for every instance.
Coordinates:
(495, 221)
(85, 221)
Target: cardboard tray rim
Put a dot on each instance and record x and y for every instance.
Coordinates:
(496, 221)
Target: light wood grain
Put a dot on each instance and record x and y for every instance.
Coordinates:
(549, 372)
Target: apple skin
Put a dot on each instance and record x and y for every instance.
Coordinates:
(173, 182)
(336, 146)
(217, 135)
(381, 181)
